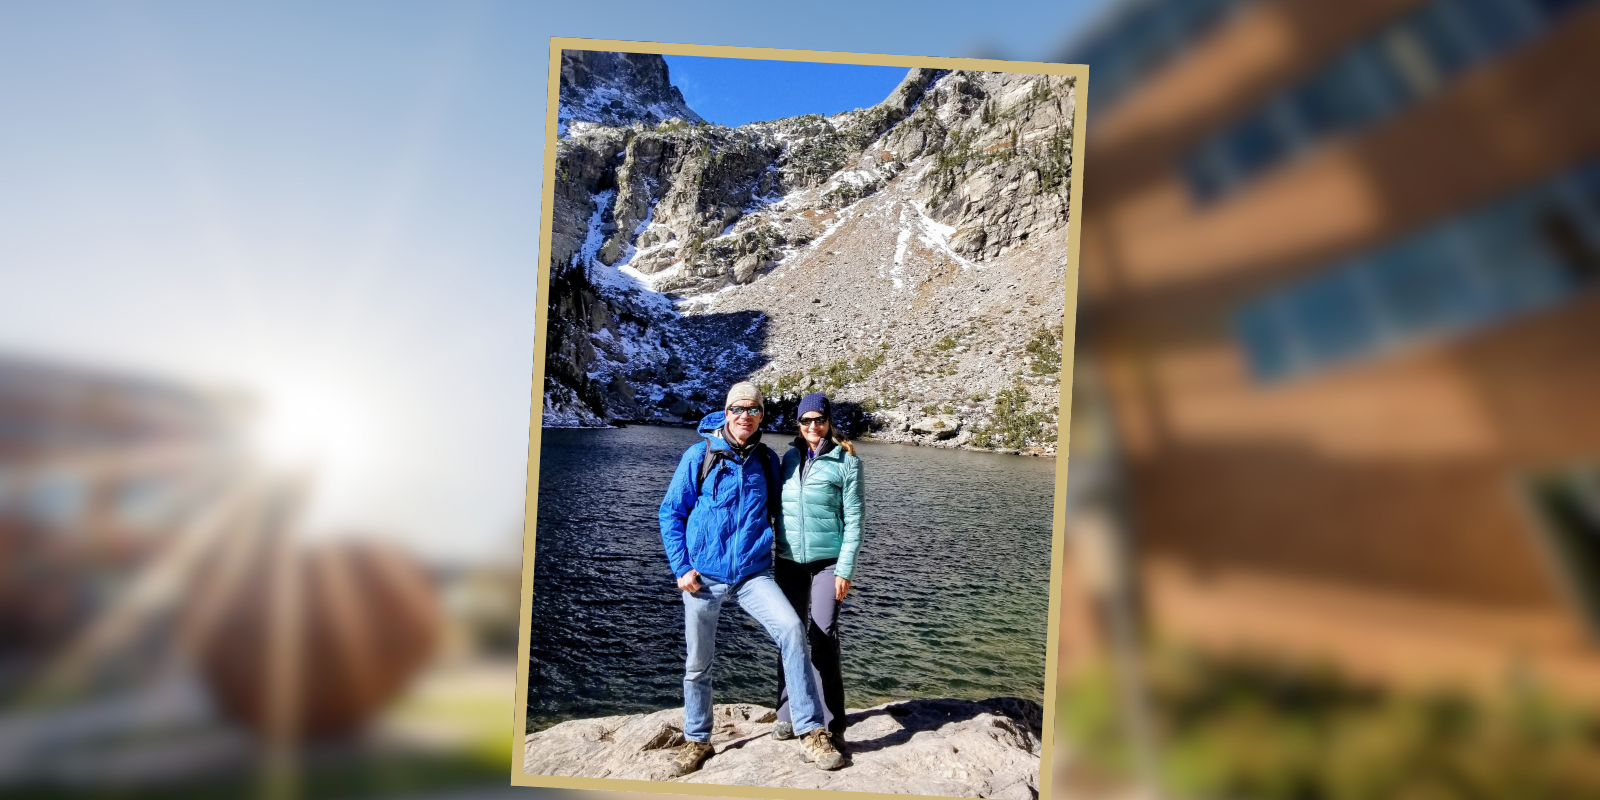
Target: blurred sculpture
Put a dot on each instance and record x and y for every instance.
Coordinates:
(363, 619)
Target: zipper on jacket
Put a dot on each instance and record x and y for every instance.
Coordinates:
(800, 500)
(806, 465)
(739, 504)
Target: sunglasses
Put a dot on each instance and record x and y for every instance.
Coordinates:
(807, 422)
(745, 411)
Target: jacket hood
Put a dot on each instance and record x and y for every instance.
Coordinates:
(711, 424)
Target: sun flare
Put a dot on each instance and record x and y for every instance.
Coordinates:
(312, 423)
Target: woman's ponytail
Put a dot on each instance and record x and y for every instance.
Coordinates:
(840, 439)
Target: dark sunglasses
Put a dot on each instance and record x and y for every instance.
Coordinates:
(810, 421)
(745, 411)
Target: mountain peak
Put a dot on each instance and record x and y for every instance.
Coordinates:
(907, 257)
(618, 89)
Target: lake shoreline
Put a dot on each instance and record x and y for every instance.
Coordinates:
(868, 438)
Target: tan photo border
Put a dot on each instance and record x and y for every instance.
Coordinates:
(1058, 517)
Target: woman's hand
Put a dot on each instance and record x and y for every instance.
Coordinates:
(841, 587)
(690, 582)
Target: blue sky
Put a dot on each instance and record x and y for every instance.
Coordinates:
(335, 207)
(734, 91)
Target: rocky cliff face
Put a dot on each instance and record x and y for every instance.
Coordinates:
(909, 258)
(618, 89)
(953, 748)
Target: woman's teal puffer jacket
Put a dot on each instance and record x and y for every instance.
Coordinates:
(821, 516)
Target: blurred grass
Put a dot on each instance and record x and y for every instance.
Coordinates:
(450, 732)
(386, 774)
(1252, 727)
(482, 721)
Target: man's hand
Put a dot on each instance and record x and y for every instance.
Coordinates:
(690, 582)
(841, 587)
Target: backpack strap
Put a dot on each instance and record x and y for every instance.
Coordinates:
(770, 468)
(708, 462)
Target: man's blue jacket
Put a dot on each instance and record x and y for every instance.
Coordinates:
(723, 531)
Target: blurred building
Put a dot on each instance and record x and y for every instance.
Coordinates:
(1338, 269)
(98, 470)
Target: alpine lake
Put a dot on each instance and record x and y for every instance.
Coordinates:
(950, 597)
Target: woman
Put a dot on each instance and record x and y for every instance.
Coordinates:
(819, 533)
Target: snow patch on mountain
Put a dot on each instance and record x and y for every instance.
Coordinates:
(902, 241)
(937, 234)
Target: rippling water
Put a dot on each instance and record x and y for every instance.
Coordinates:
(950, 598)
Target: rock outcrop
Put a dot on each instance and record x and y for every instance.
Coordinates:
(953, 748)
(618, 89)
(909, 257)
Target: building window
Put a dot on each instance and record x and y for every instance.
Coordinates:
(1336, 98)
(1495, 24)
(1253, 145)
(1266, 339)
(57, 500)
(1421, 287)
(1332, 317)
(1399, 64)
(145, 504)
(1520, 253)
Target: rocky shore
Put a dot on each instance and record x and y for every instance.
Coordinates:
(952, 748)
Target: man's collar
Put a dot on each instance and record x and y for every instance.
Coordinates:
(741, 449)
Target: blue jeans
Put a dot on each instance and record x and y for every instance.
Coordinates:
(761, 598)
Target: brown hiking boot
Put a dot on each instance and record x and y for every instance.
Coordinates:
(689, 758)
(818, 746)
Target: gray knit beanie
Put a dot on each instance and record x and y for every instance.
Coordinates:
(744, 390)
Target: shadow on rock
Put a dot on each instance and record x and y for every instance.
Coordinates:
(1022, 719)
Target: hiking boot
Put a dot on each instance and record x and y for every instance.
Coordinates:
(689, 758)
(818, 746)
(782, 731)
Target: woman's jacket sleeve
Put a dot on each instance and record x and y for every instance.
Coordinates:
(854, 513)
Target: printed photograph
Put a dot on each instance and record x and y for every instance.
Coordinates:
(797, 443)
(274, 284)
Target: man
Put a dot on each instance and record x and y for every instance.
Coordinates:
(716, 525)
